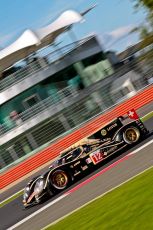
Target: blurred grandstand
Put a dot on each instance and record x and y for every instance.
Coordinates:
(55, 89)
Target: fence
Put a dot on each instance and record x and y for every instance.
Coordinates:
(18, 119)
(46, 121)
(103, 94)
(54, 149)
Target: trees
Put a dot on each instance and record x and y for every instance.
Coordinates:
(146, 32)
(148, 6)
(148, 27)
(145, 3)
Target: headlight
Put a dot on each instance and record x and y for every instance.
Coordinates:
(27, 189)
(26, 193)
(39, 186)
(25, 196)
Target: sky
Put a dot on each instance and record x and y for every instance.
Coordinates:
(111, 20)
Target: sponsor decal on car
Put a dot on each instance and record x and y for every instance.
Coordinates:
(103, 132)
(111, 127)
(88, 160)
(77, 163)
(111, 149)
(132, 114)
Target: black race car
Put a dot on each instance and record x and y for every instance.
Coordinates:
(82, 156)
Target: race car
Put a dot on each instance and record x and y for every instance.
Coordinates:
(83, 156)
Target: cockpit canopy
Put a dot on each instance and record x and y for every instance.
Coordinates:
(67, 156)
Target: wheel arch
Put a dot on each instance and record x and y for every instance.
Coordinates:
(119, 133)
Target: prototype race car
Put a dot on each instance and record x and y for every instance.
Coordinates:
(82, 156)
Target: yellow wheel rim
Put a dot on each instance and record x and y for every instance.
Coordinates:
(59, 180)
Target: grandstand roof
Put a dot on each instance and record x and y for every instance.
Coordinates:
(33, 40)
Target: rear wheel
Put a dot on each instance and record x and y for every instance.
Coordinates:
(59, 179)
(131, 135)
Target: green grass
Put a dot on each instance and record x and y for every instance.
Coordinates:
(147, 116)
(129, 207)
(10, 199)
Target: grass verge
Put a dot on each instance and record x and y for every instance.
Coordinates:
(147, 116)
(11, 198)
(127, 207)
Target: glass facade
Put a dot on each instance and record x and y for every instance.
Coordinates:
(79, 76)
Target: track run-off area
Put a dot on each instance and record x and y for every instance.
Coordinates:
(110, 175)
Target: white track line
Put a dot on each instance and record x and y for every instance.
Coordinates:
(11, 196)
(66, 194)
(37, 212)
(141, 147)
(56, 221)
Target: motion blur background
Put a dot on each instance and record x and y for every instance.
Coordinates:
(78, 76)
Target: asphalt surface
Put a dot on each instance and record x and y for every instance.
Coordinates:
(13, 212)
(20, 185)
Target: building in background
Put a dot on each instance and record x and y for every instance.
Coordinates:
(43, 98)
(127, 86)
(51, 92)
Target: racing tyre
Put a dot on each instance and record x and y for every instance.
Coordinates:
(131, 135)
(59, 179)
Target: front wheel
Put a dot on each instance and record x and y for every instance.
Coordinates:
(59, 179)
(131, 135)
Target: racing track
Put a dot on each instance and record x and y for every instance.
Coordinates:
(5, 193)
(131, 165)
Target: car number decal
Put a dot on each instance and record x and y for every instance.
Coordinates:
(97, 156)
